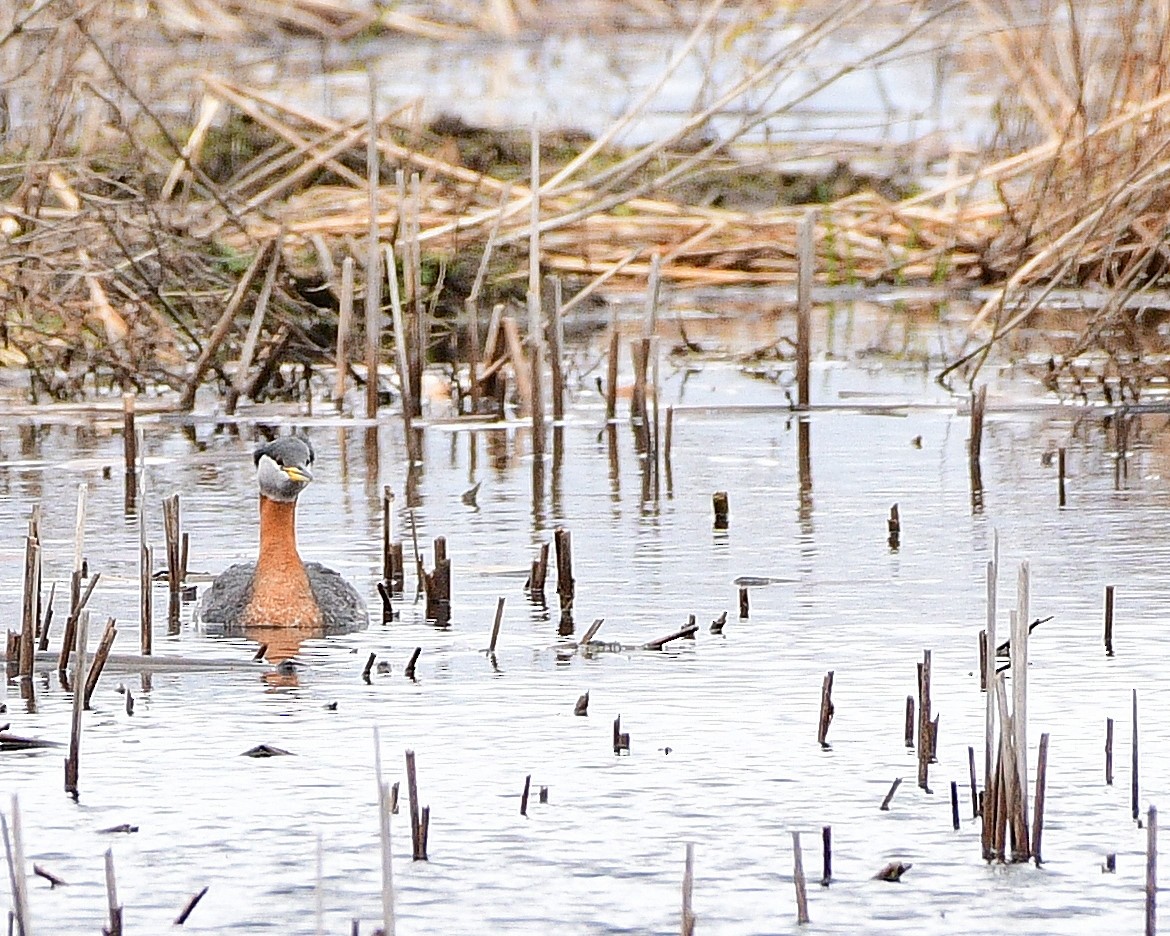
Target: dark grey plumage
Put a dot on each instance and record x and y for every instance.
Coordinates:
(342, 608)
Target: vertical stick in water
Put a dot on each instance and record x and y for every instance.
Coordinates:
(1108, 620)
(415, 820)
(688, 916)
(496, 625)
(974, 789)
(1133, 780)
(14, 850)
(1109, 752)
(373, 251)
(1041, 782)
(611, 370)
(344, 323)
(805, 267)
(320, 888)
(955, 805)
(401, 350)
(79, 673)
(826, 711)
(827, 855)
(384, 810)
(535, 324)
(1019, 658)
(924, 745)
(975, 446)
(798, 880)
(115, 909)
(29, 607)
(556, 353)
(145, 599)
(1060, 473)
(1152, 871)
(989, 675)
(387, 535)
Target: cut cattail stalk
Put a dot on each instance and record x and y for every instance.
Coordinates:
(417, 833)
(1152, 871)
(688, 916)
(582, 706)
(409, 671)
(805, 269)
(1060, 474)
(826, 711)
(115, 908)
(368, 668)
(524, 796)
(566, 585)
(885, 807)
(894, 525)
(496, 625)
(1041, 781)
(1108, 620)
(688, 631)
(591, 632)
(1109, 752)
(827, 855)
(798, 880)
(190, 906)
(79, 673)
(719, 504)
(344, 323)
(743, 604)
(99, 660)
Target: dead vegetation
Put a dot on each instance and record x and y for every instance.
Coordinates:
(129, 226)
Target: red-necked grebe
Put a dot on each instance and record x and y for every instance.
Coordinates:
(278, 589)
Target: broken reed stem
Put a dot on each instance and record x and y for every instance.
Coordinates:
(924, 723)
(1109, 752)
(524, 796)
(1133, 782)
(566, 585)
(417, 831)
(885, 806)
(1019, 669)
(146, 599)
(556, 353)
(798, 880)
(14, 851)
(129, 437)
(99, 661)
(344, 324)
(992, 571)
(535, 312)
(69, 638)
(1152, 871)
(721, 508)
(385, 807)
(688, 886)
(496, 625)
(1060, 475)
(974, 788)
(827, 710)
(909, 733)
(955, 805)
(975, 445)
(611, 373)
(191, 905)
(28, 646)
(115, 909)
(373, 251)
(826, 855)
(1108, 620)
(805, 269)
(79, 673)
(1041, 782)
(402, 353)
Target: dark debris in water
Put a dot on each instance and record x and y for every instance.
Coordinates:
(893, 871)
(11, 742)
(124, 828)
(266, 750)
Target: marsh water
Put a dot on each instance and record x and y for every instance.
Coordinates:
(723, 728)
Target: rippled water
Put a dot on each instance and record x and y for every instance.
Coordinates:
(723, 729)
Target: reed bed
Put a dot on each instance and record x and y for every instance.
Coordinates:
(129, 229)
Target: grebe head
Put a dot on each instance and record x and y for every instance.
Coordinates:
(284, 468)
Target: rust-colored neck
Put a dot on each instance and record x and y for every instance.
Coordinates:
(278, 536)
